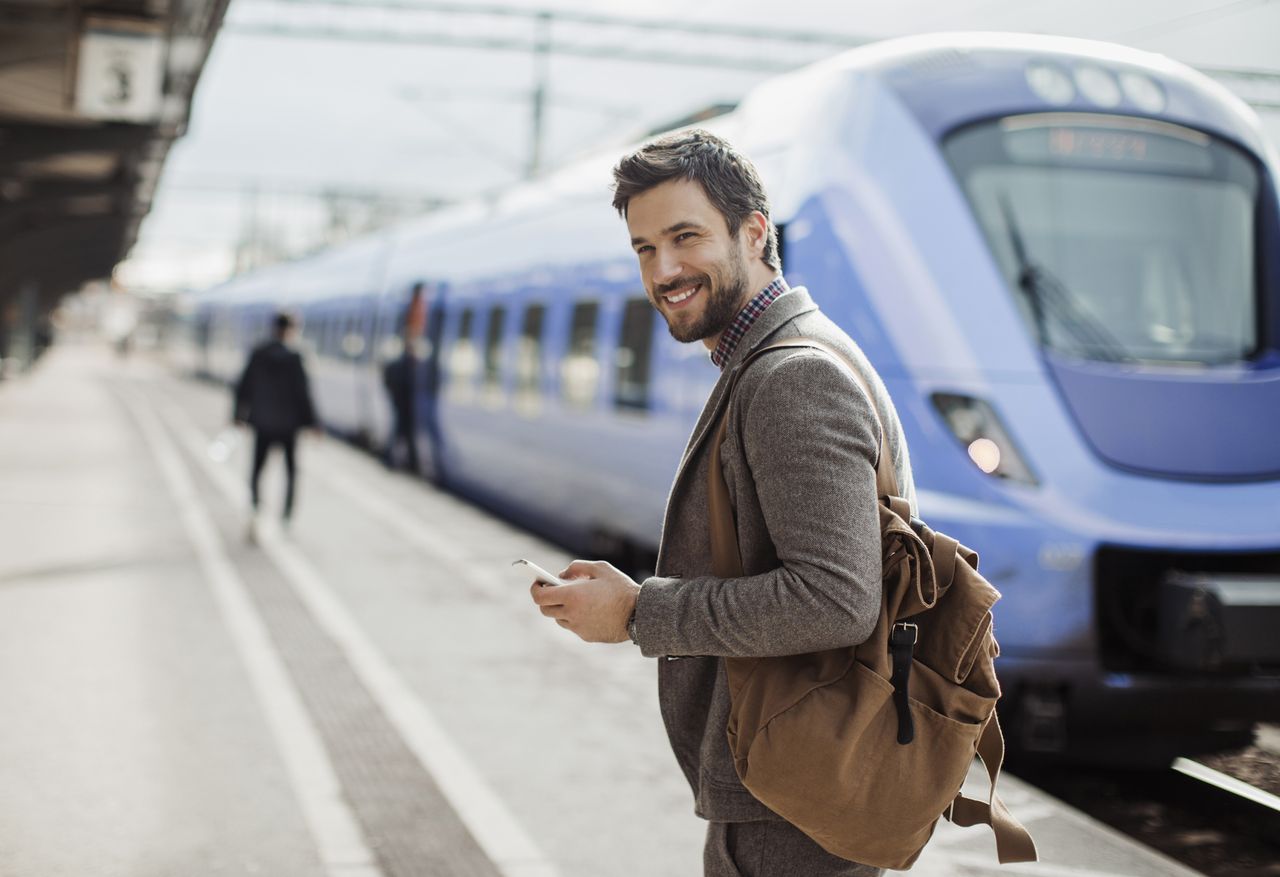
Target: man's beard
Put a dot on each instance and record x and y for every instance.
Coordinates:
(723, 301)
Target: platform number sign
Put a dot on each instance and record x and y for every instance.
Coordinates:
(120, 73)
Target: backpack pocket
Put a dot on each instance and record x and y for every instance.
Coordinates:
(829, 765)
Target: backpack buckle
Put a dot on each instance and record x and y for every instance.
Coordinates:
(904, 634)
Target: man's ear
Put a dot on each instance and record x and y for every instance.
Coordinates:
(756, 229)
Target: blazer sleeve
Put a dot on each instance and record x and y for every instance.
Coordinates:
(810, 440)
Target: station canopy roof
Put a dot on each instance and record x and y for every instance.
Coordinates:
(92, 94)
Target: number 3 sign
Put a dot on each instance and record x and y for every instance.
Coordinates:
(119, 76)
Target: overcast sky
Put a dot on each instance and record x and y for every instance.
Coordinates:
(277, 119)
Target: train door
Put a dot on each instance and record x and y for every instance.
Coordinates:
(353, 350)
(365, 386)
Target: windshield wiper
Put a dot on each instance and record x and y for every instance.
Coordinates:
(1048, 296)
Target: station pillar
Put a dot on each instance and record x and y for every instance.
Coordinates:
(18, 330)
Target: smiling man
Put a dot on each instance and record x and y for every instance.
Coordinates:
(799, 459)
(696, 274)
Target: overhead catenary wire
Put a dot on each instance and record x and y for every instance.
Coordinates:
(250, 19)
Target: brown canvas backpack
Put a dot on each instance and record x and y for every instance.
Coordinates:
(864, 748)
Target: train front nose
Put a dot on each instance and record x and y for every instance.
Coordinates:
(1201, 422)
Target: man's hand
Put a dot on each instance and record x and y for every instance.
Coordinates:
(595, 605)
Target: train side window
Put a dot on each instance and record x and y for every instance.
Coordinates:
(464, 362)
(529, 360)
(633, 355)
(308, 344)
(336, 337)
(368, 338)
(326, 328)
(391, 340)
(493, 354)
(352, 339)
(580, 368)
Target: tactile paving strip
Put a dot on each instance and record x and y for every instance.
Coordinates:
(408, 823)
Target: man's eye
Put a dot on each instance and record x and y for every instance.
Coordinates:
(640, 251)
(683, 235)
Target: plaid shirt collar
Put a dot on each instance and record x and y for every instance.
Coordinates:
(748, 315)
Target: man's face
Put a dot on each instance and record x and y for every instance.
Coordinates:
(695, 273)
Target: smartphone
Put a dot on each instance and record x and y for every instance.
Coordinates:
(539, 573)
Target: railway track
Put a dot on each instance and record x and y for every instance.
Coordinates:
(1219, 815)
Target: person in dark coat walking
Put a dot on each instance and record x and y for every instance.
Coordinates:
(273, 398)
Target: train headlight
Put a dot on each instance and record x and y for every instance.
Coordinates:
(1145, 92)
(1098, 85)
(978, 428)
(1050, 83)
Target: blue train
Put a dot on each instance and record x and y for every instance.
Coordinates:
(1062, 256)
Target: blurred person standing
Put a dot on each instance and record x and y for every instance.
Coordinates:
(273, 397)
(399, 376)
(799, 459)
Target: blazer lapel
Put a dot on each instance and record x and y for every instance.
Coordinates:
(784, 308)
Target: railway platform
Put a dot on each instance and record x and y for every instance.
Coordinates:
(368, 694)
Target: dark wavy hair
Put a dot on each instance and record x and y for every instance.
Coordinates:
(728, 178)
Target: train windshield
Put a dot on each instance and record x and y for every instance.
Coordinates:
(1122, 239)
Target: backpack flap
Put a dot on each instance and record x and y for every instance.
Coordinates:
(909, 579)
(952, 641)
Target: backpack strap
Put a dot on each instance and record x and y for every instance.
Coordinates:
(886, 478)
(1013, 842)
(726, 555)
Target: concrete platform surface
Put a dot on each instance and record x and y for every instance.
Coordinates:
(369, 694)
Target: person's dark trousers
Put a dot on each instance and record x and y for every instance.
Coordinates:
(402, 432)
(262, 444)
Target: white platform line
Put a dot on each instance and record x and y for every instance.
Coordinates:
(490, 822)
(497, 581)
(334, 829)
(1024, 798)
(982, 863)
(1208, 775)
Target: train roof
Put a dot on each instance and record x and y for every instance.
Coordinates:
(946, 80)
(950, 79)
(929, 72)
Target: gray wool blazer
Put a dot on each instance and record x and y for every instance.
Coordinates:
(799, 459)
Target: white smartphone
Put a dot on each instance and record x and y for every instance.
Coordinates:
(539, 573)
